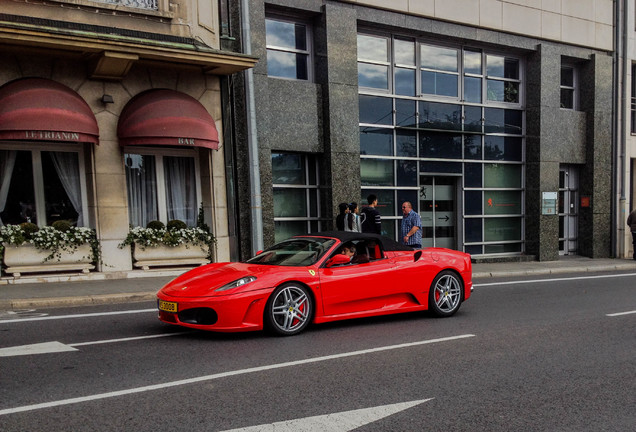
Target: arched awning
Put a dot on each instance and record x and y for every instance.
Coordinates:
(37, 109)
(166, 117)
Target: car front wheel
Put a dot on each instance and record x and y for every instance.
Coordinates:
(445, 295)
(289, 309)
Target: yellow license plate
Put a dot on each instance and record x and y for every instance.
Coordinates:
(167, 306)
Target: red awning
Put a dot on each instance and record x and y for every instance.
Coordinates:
(37, 109)
(166, 117)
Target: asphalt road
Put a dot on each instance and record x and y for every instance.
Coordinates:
(520, 355)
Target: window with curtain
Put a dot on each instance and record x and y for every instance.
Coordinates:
(41, 187)
(161, 187)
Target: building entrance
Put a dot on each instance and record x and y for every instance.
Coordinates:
(438, 209)
(568, 209)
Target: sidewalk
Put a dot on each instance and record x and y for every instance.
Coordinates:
(123, 287)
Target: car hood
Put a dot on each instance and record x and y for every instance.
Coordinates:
(202, 281)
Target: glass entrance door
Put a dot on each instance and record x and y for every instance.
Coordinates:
(568, 210)
(438, 210)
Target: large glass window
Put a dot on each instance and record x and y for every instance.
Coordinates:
(297, 205)
(503, 81)
(288, 49)
(373, 65)
(452, 114)
(42, 186)
(439, 71)
(161, 187)
(568, 87)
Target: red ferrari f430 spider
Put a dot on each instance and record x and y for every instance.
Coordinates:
(317, 278)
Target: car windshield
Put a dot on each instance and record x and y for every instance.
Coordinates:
(296, 252)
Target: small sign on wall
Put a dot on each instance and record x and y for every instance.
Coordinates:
(549, 203)
(585, 201)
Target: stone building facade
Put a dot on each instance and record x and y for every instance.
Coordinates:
(111, 115)
(493, 118)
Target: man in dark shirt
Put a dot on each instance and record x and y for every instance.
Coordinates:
(371, 222)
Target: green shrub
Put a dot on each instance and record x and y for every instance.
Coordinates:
(155, 224)
(176, 224)
(29, 229)
(62, 225)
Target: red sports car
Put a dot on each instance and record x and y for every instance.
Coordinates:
(317, 278)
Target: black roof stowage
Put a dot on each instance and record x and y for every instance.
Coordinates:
(388, 244)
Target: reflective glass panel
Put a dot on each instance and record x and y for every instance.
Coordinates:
(374, 141)
(373, 48)
(406, 143)
(472, 119)
(286, 35)
(376, 110)
(374, 76)
(439, 83)
(404, 81)
(288, 168)
(501, 67)
(406, 173)
(472, 62)
(440, 145)
(503, 248)
(287, 65)
(438, 58)
(472, 174)
(502, 229)
(434, 115)
(376, 172)
(472, 89)
(405, 112)
(502, 148)
(498, 120)
(472, 203)
(502, 202)
(404, 52)
(503, 91)
(473, 230)
(290, 202)
(472, 147)
(502, 176)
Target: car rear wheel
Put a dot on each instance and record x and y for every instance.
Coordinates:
(289, 309)
(445, 295)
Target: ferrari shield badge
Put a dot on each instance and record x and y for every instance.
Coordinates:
(311, 272)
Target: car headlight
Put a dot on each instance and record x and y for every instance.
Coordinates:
(237, 283)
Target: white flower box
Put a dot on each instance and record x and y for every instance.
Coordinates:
(169, 256)
(26, 258)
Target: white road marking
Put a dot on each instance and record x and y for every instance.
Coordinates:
(336, 422)
(220, 375)
(39, 348)
(552, 280)
(621, 313)
(88, 315)
(56, 347)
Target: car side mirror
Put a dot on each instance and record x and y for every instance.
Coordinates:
(339, 259)
(258, 252)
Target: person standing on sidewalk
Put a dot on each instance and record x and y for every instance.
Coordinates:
(371, 222)
(631, 221)
(411, 227)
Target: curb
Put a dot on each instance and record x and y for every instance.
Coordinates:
(549, 271)
(93, 300)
